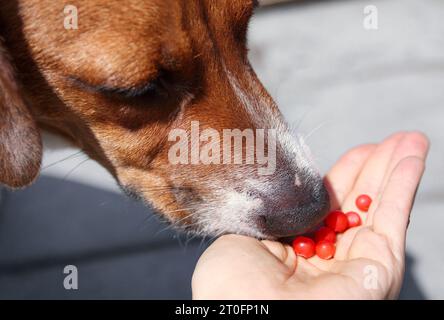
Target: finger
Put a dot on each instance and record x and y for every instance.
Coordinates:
(342, 176)
(392, 214)
(284, 253)
(392, 150)
(372, 175)
(413, 144)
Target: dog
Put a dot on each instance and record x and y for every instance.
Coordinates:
(132, 72)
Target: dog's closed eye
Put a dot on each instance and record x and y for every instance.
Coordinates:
(150, 88)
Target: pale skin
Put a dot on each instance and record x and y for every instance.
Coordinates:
(369, 261)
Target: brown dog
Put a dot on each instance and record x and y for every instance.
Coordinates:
(132, 72)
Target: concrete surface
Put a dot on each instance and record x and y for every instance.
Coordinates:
(120, 249)
(336, 82)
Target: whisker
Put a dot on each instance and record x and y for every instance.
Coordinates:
(74, 155)
(304, 116)
(156, 188)
(175, 223)
(202, 242)
(76, 167)
(307, 136)
(188, 240)
(183, 209)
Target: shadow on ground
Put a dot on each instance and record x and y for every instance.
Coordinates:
(121, 250)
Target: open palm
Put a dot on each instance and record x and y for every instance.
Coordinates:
(369, 260)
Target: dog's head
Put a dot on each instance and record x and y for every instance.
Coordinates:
(151, 89)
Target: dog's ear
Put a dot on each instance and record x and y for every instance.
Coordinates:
(20, 141)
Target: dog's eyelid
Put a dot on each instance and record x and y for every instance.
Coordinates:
(129, 92)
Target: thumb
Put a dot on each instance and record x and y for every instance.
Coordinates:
(283, 252)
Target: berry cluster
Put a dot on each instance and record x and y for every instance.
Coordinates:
(337, 221)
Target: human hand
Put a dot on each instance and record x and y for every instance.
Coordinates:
(369, 260)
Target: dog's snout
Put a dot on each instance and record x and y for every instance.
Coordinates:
(294, 210)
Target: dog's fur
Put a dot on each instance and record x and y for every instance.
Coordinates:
(133, 71)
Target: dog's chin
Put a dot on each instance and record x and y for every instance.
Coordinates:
(206, 233)
(250, 230)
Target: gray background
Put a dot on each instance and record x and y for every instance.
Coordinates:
(339, 84)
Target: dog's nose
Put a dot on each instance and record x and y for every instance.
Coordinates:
(294, 210)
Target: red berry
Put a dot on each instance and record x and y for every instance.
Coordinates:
(304, 247)
(363, 202)
(325, 233)
(337, 221)
(325, 249)
(354, 220)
